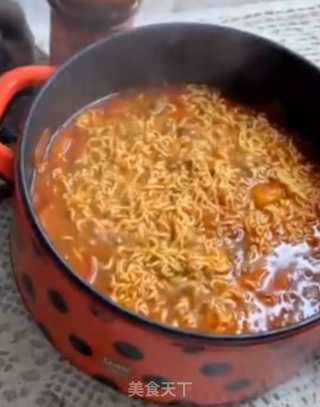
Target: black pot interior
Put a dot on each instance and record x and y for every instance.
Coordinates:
(246, 67)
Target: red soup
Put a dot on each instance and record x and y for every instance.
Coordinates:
(185, 208)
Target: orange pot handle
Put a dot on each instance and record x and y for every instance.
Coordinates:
(11, 83)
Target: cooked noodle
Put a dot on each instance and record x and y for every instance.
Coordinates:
(192, 195)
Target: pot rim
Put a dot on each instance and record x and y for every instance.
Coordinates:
(56, 257)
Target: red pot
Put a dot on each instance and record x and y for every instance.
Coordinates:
(106, 341)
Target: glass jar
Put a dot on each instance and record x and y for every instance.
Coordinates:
(78, 23)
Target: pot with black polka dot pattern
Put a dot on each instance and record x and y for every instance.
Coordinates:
(119, 348)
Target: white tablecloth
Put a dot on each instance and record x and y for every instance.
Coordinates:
(32, 373)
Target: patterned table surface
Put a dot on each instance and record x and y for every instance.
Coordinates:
(32, 373)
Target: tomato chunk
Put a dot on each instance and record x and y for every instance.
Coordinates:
(268, 193)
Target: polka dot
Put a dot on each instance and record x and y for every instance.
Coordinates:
(216, 369)
(101, 313)
(58, 301)
(27, 285)
(159, 380)
(193, 349)
(128, 351)
(238, 385)
(190, 348)
(108, 382)
(80, 345)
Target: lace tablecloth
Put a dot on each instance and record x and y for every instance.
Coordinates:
(32, 373)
